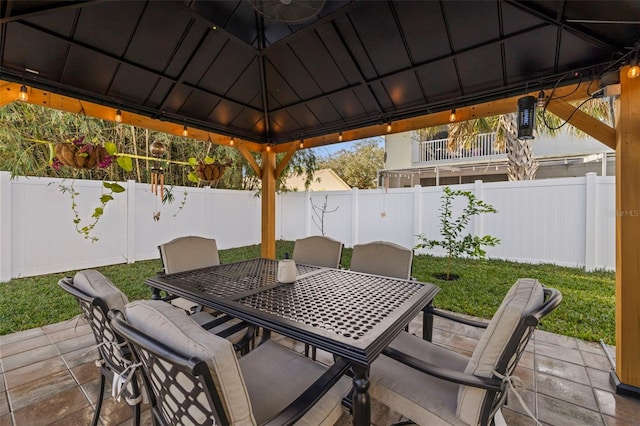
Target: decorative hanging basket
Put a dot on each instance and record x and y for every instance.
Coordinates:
(211, 172)
(82, 156)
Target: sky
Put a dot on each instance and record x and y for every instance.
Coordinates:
(328, 150)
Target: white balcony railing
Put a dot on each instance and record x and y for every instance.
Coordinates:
(436, 150)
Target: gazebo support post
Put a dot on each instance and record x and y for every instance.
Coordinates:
(626, 377)
(268, 247)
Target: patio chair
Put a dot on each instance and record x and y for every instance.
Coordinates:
(382, 258)
(194, 252)
(318, 250)
(432, 385)
(195, 378)
(97, 295)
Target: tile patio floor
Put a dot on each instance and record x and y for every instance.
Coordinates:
(48, 377)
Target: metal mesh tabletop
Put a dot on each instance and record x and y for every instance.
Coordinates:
(347, 304)
(228, 280)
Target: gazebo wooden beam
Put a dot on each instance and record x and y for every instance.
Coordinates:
(583, 121)
(293, 147)
(47, 99)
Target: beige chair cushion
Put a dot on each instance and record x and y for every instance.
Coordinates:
(382, 258)
(282, 375)
(173, 327)
(424, 399)
(524, 297)
(95, 284)
(192, 252)
(318, 251)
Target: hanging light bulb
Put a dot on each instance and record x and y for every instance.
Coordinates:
(24, 94)
(388, 127)
(634, 70)
(185, 132)
(231, 142)
(452, 116)
(541, 99)
(301, 143)
(340, 136)
(118, 116)
(268, 149)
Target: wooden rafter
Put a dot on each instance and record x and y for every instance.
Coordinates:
(293, 147)
(583, 121)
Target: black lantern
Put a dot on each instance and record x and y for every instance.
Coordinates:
(526, 117)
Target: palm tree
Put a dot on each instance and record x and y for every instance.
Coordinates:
(521, 164)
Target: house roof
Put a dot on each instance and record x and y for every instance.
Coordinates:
(323, 180)
(225, 67)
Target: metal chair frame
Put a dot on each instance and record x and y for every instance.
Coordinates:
(115, 355)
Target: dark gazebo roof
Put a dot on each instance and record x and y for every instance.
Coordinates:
(225, 67)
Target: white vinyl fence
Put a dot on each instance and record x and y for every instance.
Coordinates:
(568, 221)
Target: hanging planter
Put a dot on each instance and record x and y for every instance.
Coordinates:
(81, 155)
(207, 170)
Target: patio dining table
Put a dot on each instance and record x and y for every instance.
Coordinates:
(349, 314)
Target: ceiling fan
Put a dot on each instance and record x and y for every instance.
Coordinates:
(288, 11)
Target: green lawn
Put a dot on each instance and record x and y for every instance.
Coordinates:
(586, 312)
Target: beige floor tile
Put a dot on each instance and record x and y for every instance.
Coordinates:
(48, 410)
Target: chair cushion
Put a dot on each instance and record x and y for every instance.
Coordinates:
(97, 285)
(173, 327)
(382, 258)
(283, 375)
(318, 251)
(192, 252)
(424, 399)
(524, 297)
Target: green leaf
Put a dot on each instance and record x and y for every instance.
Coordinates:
(193, 177)
(97, 212)
(105, 198)
(111, 147)
(125, 163)
(209, 160)
(114, 186)
(192, 162)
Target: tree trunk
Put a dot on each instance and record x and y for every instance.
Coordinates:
(520, 162)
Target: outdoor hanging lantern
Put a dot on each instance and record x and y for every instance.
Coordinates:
(526, 117)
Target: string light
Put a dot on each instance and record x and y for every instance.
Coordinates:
(452, 116)
(118, 116)
(301, 143)
(24, 94)
(268, 149)
(185, 132)
(340, 136)
(231, 142)
(634, 70)
(388, 127)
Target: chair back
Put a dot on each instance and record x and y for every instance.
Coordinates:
(96, 295)
(382, 258)
(502, 345)
(193, 376)
(190, 252)
(318, 250)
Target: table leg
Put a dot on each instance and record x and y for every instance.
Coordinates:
(361, 400)
(155, 293)
(427, 323)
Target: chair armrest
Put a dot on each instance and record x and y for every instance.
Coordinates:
(294, 411)
(456, 318)
(427, 321)
(487, 383)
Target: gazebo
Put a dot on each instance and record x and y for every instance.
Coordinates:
(276, 76)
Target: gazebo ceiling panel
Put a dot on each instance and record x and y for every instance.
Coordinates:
(460, 16)
(223, 67)
(104, 18)
(427, 38)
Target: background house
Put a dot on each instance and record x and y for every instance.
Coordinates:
(410, 161)
(323, 180)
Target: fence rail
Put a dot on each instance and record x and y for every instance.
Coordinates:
(569, 221)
